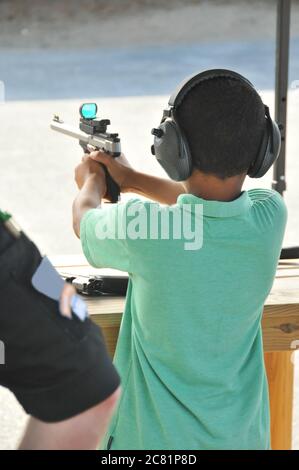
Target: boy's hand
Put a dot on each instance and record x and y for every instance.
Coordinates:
(119, 168)
(89, 168)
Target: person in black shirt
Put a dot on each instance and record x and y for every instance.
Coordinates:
(55, 363)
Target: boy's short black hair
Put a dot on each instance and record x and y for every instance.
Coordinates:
(223, 121)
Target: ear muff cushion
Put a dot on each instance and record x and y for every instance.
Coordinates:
(172, 152)
(269, 150)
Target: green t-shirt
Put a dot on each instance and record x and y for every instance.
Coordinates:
(190, 350)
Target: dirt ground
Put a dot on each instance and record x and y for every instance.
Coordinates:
(99, 23)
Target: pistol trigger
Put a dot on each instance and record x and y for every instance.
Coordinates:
(84, 147)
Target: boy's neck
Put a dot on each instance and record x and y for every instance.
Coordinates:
(211, 187)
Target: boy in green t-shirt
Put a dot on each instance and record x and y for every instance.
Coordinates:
(202, 260)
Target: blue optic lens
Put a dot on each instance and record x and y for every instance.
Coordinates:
(88, 110)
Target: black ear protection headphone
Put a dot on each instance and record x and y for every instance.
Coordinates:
(171, 147)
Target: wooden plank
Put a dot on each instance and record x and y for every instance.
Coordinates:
(285, 288)
(280, 323)
(280, 319)
(107, 314)
(280, 373)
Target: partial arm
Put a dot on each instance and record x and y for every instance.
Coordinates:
(89, 197)
(158, 189)
(90, 179)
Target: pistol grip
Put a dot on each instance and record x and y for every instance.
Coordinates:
(113, 190)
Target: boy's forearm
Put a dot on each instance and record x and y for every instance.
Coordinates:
(89, 197)
(155, 188)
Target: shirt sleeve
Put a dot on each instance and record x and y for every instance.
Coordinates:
(103, 237)
(271, 215)
(271, 204)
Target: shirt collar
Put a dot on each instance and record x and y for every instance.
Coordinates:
(219, 208)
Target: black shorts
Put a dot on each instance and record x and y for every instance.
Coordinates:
(56, 367)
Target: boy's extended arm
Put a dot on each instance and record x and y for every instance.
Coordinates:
(90, 179)
(89, 197)
(158, 189)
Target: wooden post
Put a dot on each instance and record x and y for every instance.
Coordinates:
(280, 373)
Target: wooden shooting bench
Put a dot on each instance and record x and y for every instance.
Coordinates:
(280, 333)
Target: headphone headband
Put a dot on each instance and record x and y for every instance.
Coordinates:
(186, 85)
(171, 147)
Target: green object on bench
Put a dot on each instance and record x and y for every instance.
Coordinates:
(4, 216)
